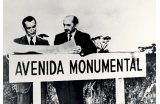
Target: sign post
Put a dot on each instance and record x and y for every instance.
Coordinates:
(36, 92)
(120, 94)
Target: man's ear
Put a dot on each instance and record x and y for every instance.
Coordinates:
(76, 25)
(24, 29)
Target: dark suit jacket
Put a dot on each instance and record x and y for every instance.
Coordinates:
(71, 92)
(81, 39)
(23, 40)
(22, 86)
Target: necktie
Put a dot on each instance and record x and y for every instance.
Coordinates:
(70, 36)
(31, 41)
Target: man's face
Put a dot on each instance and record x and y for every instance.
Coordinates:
(69, 27)
(30, 28)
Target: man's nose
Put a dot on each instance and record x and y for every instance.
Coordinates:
(32, 29)
(65, 27)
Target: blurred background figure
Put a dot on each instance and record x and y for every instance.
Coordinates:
(101, 43)
(148, 49)
(52, 97)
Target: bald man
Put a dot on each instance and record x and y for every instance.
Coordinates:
(71, 92)
(84, 44)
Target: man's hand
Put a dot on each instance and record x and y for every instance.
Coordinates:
(77, 49)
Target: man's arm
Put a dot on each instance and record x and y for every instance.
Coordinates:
(56, 40)
(88, 46)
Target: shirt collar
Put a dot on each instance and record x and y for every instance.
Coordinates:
(73, 34)
(29, 38)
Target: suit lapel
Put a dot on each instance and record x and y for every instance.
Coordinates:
(25, 40)
(77, 37)
(38, 41)
(66, 37)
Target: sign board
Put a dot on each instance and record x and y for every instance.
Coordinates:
(61, 67)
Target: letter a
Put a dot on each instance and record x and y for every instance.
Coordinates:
(18, 67)
(60, 68)
(133, 65)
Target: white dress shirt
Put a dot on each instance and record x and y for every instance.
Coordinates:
(29, 38)
(73, 34)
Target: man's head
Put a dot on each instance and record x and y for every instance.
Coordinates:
(70, 23)
(29, 24)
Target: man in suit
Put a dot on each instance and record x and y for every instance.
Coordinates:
(71, 92)
(24, 90)
(84, 44)
(29, 24)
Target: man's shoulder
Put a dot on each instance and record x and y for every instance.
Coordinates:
(60, 38)
(21, 40)
(83, 34)
(60, 34)
(41, 41)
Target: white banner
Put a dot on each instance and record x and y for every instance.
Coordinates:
(60, 67)
(66, 47)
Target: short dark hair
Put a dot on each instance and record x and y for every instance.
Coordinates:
(75, 20)
(28, 18)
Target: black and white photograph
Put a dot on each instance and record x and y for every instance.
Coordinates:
(79, 52)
